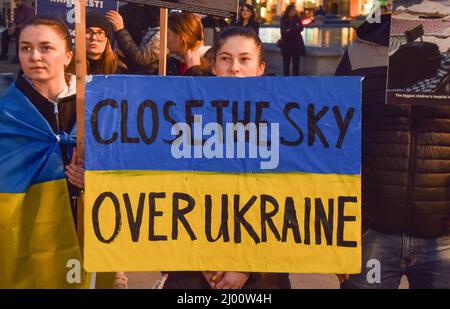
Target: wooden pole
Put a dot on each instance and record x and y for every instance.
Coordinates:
(80, 69)
(163, 18)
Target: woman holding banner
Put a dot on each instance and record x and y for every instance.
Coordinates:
(238, 53)
(37, 135)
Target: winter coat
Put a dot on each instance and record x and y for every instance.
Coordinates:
(405, 149)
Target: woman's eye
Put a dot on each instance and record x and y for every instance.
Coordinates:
(25, 48)
(225, 59)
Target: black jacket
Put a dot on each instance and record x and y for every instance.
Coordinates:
(405, 149)
(140, 59)
(291, 29)
(138, 18)
(253, 24)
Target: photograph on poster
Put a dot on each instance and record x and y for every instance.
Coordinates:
(225, 8)
(419, 52)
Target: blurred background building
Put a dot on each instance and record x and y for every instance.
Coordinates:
(7, 11)
(271, 10)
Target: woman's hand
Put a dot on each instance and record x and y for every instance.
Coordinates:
(232, 280)
(115, 19)
(212, 277)
(75, 171)
(342, 277)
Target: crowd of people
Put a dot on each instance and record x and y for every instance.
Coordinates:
(407, 174)
(135, 29)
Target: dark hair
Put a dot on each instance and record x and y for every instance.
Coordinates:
(58, 26)
(252, 18)
(288, 9)
(238, 31)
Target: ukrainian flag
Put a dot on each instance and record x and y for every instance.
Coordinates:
(38, 242)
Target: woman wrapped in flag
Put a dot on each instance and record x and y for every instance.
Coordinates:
(38, 174)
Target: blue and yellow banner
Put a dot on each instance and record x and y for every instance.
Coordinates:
(38, 242)
(253, 174)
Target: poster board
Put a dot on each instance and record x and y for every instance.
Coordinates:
(170, 187)
(419, 53)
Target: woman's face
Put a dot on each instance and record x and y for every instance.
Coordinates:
(43, 54)
(246, 13)
(96, 41)
(292, 12)
(238, 57)
(174, 43)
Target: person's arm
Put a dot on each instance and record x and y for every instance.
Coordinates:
(212, 277)
(344, 67)
(289, 29)
(232, 280)
(297, 27)
(141, 56)
(284, 29)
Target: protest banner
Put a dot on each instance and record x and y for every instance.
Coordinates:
(254, 174)
(225, 8)
(65, 10)
(419, 63)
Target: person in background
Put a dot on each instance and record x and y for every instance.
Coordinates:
(247, 18)
(320, 11)
(185, 44)
(142, 58)
(101, 59)
(138, 18)
(292, 46)
(405, 172)
(2, 18)
(212, 26)
(22, 13)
